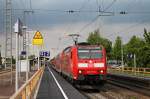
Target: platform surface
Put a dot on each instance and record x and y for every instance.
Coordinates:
(53, 86)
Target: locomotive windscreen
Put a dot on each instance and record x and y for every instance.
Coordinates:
(90, 53)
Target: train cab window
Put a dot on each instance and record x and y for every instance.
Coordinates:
(89, 53)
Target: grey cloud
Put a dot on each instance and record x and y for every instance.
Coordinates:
(55, 24)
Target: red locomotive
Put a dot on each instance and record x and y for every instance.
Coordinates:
(82, 62)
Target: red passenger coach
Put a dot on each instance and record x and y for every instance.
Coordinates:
(83, 62)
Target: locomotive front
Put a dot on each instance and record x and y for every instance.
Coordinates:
(91, 63)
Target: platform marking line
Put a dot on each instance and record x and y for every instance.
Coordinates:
(65, 96)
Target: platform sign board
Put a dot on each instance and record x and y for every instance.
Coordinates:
(44, 53)
(23, 52)
(37, 39)
(24, 64)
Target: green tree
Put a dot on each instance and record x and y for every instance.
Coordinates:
(146, 36)
(144, 52)
(117, 49)
(144, 56)
(13, 60)
(31, 56)
(95, 38)
(134, 46)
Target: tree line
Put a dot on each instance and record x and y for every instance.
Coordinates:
(140, 47)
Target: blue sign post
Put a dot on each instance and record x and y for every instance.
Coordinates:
(45, 53)
(23, 52)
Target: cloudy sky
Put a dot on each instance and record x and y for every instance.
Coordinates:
(51, 17)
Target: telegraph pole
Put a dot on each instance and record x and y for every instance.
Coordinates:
(122, 62)
(26, 40)
(8, 31)
(24, 34)
(27, 57)
(17, 30)
(134, 63)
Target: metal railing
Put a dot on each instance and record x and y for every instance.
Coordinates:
(4, 71)
(27, 90)
(130, 70)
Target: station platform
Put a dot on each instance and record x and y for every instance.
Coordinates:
(53, 86)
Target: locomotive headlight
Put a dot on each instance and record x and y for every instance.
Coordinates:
(82, 65)
(102, 71)
(98, 64)
(80, 71)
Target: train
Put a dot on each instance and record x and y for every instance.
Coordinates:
(82, 63)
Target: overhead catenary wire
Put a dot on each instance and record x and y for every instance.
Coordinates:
(93, 20)
(81, 11)
(88, 24)
(83, 5)
(100, 14)
(110, 5)
(133, 25)
(57, 11)
(130, 27)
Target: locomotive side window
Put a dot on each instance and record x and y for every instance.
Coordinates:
(88, 53)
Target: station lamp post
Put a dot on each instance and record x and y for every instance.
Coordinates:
(18, 32)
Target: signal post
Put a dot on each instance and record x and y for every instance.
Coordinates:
(38, 41)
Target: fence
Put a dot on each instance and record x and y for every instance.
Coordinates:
(28, 89)
(131, 70)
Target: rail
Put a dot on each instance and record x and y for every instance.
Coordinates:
(130, 70)
(28, 89)
(140, 85)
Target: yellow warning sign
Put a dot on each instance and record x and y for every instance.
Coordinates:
(37, 39)
(38, 35)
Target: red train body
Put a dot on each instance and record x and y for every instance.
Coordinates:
(82, 62)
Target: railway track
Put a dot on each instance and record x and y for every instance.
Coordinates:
(111, 91)
(119, 88)
(116, 89)
(139, 85)
(95, 93)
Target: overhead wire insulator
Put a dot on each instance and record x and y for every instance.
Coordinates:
(123, 12)
(71, 11)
